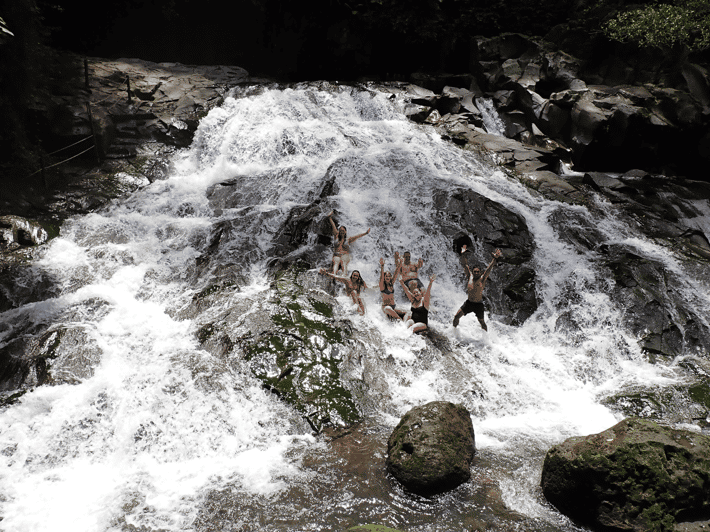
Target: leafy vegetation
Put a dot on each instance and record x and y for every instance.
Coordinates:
(685, 23)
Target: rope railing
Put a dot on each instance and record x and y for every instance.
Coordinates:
(70, 145)
(92, 147)
(127, 81)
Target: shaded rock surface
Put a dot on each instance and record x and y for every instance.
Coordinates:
(431, 449)
(637, 475)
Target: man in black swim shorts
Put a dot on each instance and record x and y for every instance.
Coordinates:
(474, 289)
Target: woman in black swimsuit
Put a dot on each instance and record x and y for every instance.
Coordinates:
(387, 290)
(353, 285)
(341, 246)
(418, 317)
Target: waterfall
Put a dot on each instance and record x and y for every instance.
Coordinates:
(491, 119)
(145, 429)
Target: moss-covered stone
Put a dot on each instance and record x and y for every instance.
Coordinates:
(298, 357)
(637, 475)
(431, 449)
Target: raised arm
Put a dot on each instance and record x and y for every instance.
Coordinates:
(427, 294)
(344, 280)
(332, 224)
(354, 238)
(382, 274)
(397, 268)
(497, 253)
(406, 290)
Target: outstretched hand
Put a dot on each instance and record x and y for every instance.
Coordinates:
(497, 254)
(382, 261)
(330, 214)
(431, 279)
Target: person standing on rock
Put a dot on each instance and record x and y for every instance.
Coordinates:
(474, 289)
(387, 289)
(341, 247)
(353, 285)
(410, 271)
(418, 316)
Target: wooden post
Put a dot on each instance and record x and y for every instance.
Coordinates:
(86, 74)
(128, 88)
(93, 133)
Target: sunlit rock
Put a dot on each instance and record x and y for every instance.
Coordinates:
(431, 449)
(637, 476)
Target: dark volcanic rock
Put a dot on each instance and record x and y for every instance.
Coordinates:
(511, 292)
(432, 448)
(636, 476)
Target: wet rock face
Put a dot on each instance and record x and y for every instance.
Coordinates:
(291, 340)
(432, 448)
(511, 292)
(636, 476)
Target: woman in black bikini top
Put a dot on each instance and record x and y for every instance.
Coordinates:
(387, 290)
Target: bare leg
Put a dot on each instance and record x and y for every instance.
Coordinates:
(345, 260)
(337, 263)
(360, 305)
(458, 316)
(392, 313)
(419, 327)
(483, 324)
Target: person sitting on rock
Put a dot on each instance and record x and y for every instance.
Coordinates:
(353, 285)
(410, 271)
(474, 289)
(341, 247)
(387, 281)
(418, 316)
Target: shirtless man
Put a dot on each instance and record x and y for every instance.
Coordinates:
(387, 290)
(474, 289)
(410, 271)
(341, 246)
(418, 316)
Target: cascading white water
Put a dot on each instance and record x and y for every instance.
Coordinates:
(150, 432)
(491, 119)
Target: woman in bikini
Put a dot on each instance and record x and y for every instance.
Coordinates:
(341, 247)
(387, 289)
(353, 285)
(418, 317)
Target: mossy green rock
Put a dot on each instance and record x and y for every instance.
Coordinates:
(298, 353)
(432, 448)
(637, 476)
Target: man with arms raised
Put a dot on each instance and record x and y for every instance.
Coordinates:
(474, 289)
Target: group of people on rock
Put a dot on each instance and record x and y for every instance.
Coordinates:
(417, 317)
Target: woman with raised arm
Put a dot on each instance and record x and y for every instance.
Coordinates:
(341, 247)
(387, 290)
(418, 317)
(353, 285)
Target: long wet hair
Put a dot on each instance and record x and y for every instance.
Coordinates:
(360, 283)
(389, 285)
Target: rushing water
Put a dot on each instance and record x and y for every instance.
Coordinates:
(144, 430)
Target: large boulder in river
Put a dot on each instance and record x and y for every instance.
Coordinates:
(432, 448)
(636, 476)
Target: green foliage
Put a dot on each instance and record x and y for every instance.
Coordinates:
(686, 23)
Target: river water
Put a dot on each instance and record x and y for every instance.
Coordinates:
(144, 430)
